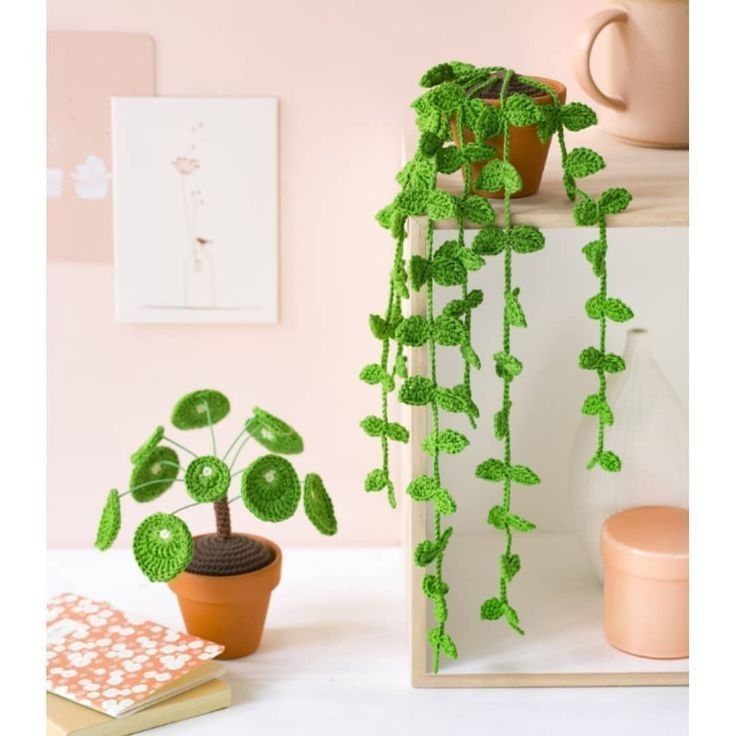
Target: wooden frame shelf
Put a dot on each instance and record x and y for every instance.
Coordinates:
(658, 181)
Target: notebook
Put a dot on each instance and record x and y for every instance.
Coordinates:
(103, 659)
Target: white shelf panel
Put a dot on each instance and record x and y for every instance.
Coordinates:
(559, 602)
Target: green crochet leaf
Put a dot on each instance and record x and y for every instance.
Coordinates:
(575, 116)
(199, 408)
(616, 310)
(376, 480)
(498, 174)
(423, 488)
(507, 366)
(613, 201)
(439, 610)
(526, 239)
(273, 433)
(433, 587)
(155, 474)
(549, 122)
(440, 205)
(513, 313)
(207, 479)
(419, 173)
(419, 270)
(582, 162)
(520, 110)
(412, 201)
(109, 524)
(397, 432)
(444, 503)
(436, 75)
(595, 306)
(585, 212)
(385, 216)
(595, 252)
(613, 363)
(429, 143)
(413, 331)
(492, 470)
(500, 424)
(270, 488)
(510, 566)
(416, 391)
(451, 400)
(162, 546)
(449, 159)
(610, 461)
(590, 359)
(492, 609)
(318, 505)
(471, 260)
(446, 98)
(469, 355)
(449, 331)
(483, 119)
(373, 426)
(501, 519)
(448, 271)
(477, 210)
(425, 553)
(372, 374)
(476, 152)
(447, 440)
(524, 475)
(379, 327)
(148, 446)
(490, 241)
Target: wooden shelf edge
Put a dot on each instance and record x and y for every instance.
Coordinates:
(552, 679)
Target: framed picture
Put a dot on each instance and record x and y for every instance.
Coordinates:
(195, 206)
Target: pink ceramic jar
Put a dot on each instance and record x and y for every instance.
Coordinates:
(645, 588)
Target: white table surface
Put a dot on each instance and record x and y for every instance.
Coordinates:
(334, 660)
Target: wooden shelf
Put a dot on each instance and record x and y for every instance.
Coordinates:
(658, 180)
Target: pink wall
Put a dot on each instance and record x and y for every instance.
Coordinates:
(344, 71)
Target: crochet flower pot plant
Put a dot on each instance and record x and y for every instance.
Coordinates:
(223, 580)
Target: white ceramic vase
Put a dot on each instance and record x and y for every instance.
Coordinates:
(650, 436)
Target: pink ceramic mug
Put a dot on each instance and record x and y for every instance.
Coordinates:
(644, 72)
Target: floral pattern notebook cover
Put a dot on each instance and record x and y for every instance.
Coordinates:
(104, 659)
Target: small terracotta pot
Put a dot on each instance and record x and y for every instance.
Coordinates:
(229, 609)
(527, 153)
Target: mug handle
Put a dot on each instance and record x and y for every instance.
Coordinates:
(588, 34)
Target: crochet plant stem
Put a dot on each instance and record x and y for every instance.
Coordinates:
(453, 101)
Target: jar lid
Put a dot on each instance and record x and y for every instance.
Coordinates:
(651, 542)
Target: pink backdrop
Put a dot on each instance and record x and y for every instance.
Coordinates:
(344, 71)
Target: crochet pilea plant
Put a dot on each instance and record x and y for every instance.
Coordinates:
(269, 488)
(458, 98)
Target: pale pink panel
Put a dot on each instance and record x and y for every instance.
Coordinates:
(85, 69)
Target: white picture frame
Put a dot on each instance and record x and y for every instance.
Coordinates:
(195, 209)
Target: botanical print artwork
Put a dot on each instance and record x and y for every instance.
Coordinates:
(198, 275)
(195, 209)
(100, 657)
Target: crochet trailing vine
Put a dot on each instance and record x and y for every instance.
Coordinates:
(269, 488)
(482, 135)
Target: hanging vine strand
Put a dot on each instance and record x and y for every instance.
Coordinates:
(453, 101)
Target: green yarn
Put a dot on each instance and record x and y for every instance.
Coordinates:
(273, 433)
(270, 488)
(318, 505)
(162, 546)
(148, 446)
(452, 99)
(109, 525)
(154, 474)
(207, 479)
(200, 409)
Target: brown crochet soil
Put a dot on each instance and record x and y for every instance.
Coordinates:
(493, 90)
(235, 555)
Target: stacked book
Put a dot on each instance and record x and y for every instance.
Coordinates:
(109, 674)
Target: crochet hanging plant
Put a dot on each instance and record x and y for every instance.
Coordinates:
(269, 488)
(454, 99)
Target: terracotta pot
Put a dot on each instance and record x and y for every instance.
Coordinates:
(229, 609)
(527, 153)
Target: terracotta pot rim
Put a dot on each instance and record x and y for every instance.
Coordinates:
(544, 99)
(261, 570)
